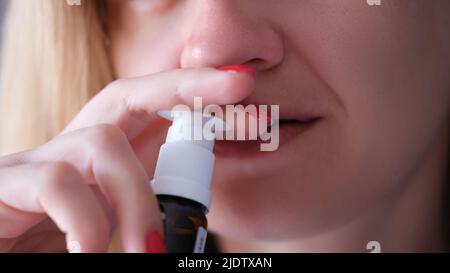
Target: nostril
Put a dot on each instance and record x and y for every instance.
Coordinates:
(256, 63)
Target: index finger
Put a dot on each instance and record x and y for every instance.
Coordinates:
(132, 103)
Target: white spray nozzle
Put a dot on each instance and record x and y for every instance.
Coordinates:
(196, 127)
(186, 161)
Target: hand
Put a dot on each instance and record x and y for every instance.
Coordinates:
(89, 179)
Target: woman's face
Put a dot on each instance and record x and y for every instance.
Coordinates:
(375, 77)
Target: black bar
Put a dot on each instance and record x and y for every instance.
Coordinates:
(226, 262)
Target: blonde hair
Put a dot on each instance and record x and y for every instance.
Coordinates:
(54, 59)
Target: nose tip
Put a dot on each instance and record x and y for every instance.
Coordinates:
(222, 36)
(218, 51)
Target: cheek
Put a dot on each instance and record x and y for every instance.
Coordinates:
(389, 75)
(144, 43)
(393, 88)
(138, 55)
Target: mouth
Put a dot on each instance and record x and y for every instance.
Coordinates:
(290, 127)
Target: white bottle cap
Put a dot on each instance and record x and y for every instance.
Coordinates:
(186, 160)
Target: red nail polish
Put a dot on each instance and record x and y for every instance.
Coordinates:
(239, 68)
(155, 243)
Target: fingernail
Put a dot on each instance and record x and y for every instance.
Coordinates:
(155, 243)
(239, 68)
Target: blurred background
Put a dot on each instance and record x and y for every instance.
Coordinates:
(3, 4)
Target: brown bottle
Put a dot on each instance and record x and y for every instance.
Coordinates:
(185, 224)
(182, 183)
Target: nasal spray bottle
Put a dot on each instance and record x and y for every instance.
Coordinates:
(183, 176)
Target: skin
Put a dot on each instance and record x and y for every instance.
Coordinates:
(372, 168)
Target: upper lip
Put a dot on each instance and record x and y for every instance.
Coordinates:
(287, 113)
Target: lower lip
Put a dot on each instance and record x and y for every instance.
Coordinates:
(252, 148)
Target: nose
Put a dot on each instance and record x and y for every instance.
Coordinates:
(221, 32)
